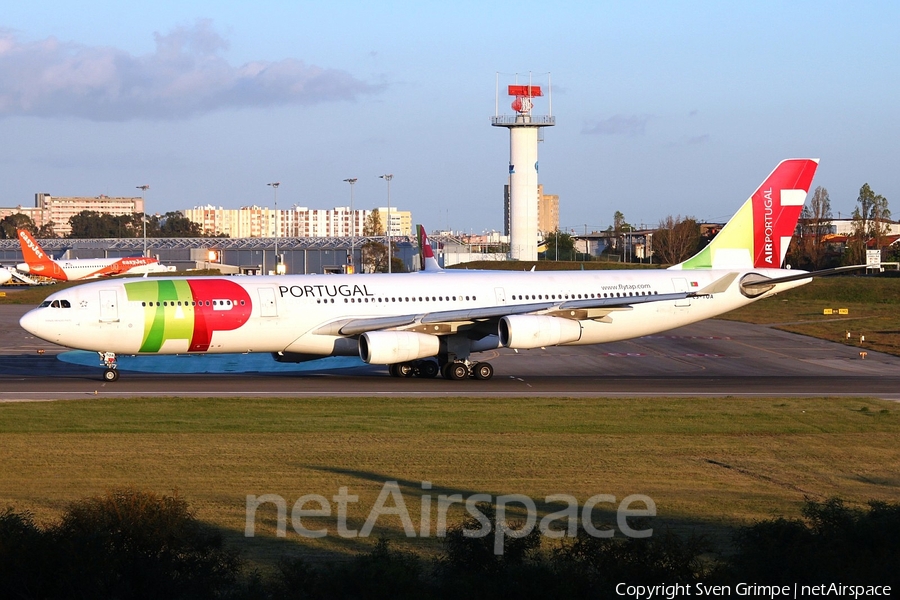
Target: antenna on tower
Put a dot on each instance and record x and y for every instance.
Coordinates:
(524, 135)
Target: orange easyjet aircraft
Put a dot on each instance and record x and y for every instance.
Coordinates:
(38, 262)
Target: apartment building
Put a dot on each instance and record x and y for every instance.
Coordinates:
(298, 221)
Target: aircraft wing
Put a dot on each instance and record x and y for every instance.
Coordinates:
(493, 313)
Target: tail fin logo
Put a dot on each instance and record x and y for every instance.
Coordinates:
(758, 235)
(776, 209)
(31, 250)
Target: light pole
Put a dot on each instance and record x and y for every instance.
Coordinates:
(351, 262)
(277, 262)
(387, 229)
(143, 189)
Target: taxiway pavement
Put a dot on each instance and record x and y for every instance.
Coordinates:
(711, 358)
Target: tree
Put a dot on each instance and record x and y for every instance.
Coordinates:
(92, 225)
(124, 544)
(676, 240)
(9, 225)
(870, 223)
(373, 253)
(560, 246)
(814, 225)
(175, 224)
(47, 231)
(617, 232)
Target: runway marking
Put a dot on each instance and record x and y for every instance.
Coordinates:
(685, 337)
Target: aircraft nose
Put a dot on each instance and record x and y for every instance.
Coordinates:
(31, 322)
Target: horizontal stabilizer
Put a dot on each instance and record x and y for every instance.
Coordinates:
(762, 284)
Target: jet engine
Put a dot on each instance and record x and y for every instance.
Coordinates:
(529, 331)
(391, 347)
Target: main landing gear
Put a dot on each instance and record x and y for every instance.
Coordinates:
(417, 368)
(108, 359)
(456, 370)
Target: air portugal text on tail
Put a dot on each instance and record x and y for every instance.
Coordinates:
(38, 262)
(431, 322)
(759, 234)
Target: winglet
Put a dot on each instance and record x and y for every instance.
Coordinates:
(429, 262)
(758, 235)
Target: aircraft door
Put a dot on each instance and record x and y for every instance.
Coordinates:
(267, 305)
(109, 306)
(681, 285)
(500, 295)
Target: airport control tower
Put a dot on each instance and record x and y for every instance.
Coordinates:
(524, 134)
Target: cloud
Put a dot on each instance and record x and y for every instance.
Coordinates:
(185, 76)
(618, 125)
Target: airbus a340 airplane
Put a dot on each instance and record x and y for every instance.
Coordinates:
(423, 323)
(38, 262)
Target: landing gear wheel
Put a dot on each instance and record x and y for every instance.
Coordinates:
(428, 369)
(392, 369)
(405, 370)
(456, 371)
(483, 371)
(108, 360)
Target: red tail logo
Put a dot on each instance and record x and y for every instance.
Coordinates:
(776, 208)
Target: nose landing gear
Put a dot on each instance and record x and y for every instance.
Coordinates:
(108, 359)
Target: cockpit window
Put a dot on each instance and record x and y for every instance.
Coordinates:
(56, 304)
(44, 304)
(65, 304)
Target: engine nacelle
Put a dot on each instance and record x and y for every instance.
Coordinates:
(529, 331)
(391, 347)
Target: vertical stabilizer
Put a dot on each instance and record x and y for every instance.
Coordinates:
(31, 250)
(37, 262)
(758, 235)
(429, 262)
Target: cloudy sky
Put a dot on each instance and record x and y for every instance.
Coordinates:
(661, 107)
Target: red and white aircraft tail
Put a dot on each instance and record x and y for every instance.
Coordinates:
(38, 262)
(758, 235)
(429, 262)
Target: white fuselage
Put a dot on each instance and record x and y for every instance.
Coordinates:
(306, 313)
(91, 268)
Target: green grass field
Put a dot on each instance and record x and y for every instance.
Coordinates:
(873, 305)
(709, 464)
